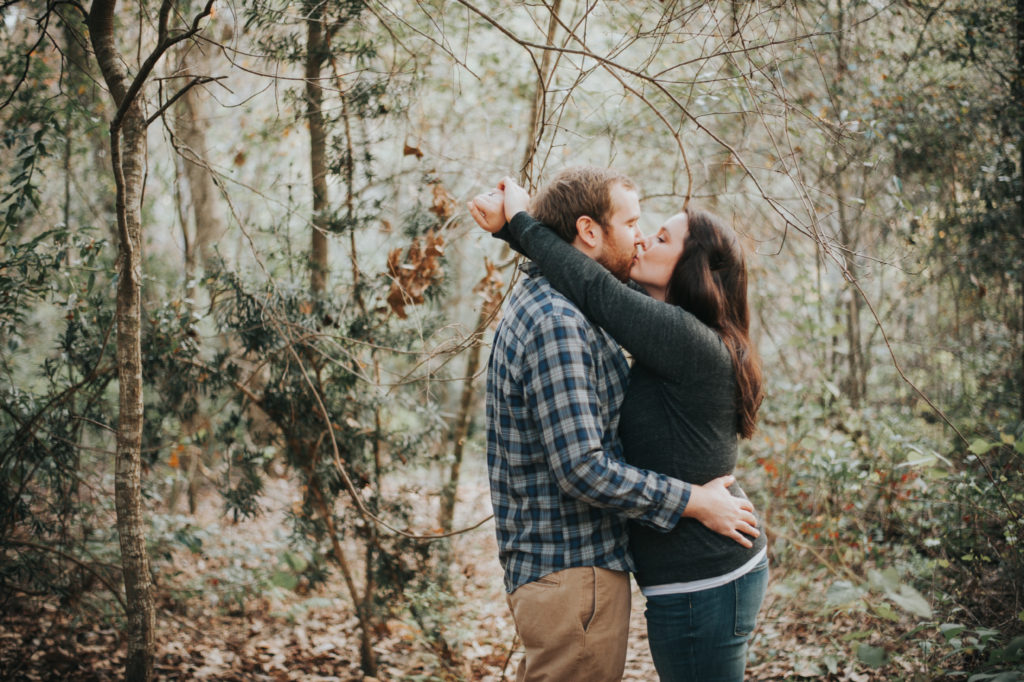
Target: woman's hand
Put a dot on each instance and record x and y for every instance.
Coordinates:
(712, 505)
(516, 197)
(488, 210)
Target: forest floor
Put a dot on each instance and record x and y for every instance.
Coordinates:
(213, 624)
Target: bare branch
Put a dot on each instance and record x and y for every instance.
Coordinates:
(165, 43)
(75, 560)
(198, 80)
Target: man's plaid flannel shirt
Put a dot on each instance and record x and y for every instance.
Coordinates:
(560, 490)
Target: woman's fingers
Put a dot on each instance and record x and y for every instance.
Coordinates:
(487, 210)
(478, 215)
(475, 212)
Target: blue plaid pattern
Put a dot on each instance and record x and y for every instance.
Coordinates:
(560, 490)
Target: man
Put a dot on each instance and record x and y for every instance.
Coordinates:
(560, 490)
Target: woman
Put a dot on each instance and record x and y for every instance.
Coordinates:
(695, 386)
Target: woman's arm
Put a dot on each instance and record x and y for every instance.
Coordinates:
(711, 504)
(662, 336)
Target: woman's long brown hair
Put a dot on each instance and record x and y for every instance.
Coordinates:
(710, 281)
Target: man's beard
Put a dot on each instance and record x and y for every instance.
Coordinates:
(617, 263)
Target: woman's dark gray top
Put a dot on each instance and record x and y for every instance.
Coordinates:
(678, 416)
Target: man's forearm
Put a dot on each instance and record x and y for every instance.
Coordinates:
(600, 480)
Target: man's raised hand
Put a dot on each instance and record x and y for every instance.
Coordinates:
(516, 197)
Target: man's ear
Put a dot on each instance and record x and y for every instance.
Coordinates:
(588, 231)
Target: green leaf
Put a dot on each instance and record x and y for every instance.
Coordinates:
(284, 579)
(187, 537)
(1014, 651)
(296, 562)
(985, 634)
(884, 581)
(951, 630)
(981, 446)
(910, 600)
(885, 611)
(873, 656)
(842, 592)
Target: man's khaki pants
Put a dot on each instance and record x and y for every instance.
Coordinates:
(574, 625)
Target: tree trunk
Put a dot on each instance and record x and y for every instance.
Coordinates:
(128, 480)
(368, 659)
(461, 429)
(315, 52)
(127, 144)
(854, 386)
(856, 377)
(1018, 98)
(208, 225)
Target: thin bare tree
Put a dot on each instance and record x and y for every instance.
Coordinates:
(128, 152)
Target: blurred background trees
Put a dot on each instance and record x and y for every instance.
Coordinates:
(314, 303)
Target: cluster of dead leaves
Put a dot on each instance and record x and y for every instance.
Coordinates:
(41, 643)
(490, 289)
(411, 275)
(420, 267)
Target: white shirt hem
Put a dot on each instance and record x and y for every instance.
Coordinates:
(705, 583)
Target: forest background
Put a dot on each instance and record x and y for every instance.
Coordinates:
(244, 315)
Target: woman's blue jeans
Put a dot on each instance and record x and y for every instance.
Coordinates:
(702, 636)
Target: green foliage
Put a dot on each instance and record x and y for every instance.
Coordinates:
(312, 355)
(305, 353)
(985, 644)
(29, 116)
(914, 527)
(22, 188)
(45, 411)
(984, 521)
(33, 272)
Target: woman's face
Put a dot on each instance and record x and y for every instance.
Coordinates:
(658, 256)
